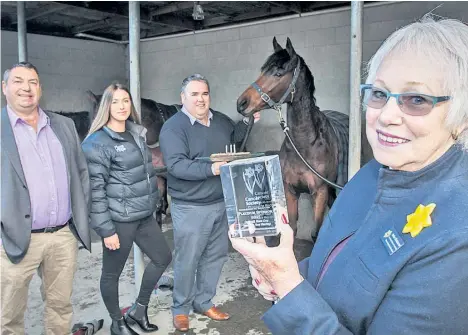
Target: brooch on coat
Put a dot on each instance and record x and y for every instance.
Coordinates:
(420, 219)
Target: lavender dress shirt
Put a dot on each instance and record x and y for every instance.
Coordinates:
(45, 170)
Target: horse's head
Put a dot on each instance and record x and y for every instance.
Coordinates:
(152, 119)
(95, 100)
(277, 74)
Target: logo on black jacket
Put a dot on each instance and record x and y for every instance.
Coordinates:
(120, 148)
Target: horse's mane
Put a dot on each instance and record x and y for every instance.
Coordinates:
(166, 110)
(309, 79)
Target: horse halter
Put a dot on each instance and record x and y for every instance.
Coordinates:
(291, 90)
(277, 107)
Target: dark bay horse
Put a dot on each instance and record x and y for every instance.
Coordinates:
(321, 137)
(153, 116)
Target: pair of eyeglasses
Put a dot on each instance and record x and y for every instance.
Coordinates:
(415, 104)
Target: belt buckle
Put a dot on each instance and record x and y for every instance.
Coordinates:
(265, 97)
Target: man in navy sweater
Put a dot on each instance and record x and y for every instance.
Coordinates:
(197, 207)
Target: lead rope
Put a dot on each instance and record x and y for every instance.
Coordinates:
(285, 129)
(249, 128)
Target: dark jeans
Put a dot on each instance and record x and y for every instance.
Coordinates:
(148, 236)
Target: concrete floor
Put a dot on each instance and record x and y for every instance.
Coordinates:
(235, 295)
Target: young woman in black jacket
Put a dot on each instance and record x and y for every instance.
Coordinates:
(123, 199)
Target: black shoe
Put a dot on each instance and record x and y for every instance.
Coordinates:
(138, 314)
(120, 327)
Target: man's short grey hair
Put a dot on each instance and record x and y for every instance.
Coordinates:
(194, 77)
(26, 65)
(445, 42)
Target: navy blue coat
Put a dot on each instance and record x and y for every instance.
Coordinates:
(417, 286)
(123, 179)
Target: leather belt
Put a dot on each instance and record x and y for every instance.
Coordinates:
(49, 229)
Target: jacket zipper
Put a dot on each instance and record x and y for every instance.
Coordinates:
(125, 207)
(145, 154)
(326, 259)
(143, 150)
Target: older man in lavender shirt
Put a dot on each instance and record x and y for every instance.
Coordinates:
(45, 204)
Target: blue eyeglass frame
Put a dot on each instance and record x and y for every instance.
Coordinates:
(435, 100)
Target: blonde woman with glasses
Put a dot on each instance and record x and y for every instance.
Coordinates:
(123, 198)
(392, 254)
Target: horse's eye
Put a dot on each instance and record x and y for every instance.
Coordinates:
(278, 74)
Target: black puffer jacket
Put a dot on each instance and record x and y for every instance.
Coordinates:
(123, 180)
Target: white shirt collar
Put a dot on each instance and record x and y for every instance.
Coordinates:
(194, 119)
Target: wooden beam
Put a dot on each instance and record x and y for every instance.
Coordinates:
(293, 6)
(94, 14)
(150, 32)
(146, 20)
(43, 11)
(174, 21)
(74, 10)
(12, 4)
(96, 25)
(174, 7)
(54, 30)
(316, 5)
(243, 17)
(163, 31)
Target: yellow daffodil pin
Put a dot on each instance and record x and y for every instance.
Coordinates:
(420, 219)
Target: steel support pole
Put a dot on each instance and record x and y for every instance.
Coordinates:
(22, 33)
(354, 153)
(134, 53)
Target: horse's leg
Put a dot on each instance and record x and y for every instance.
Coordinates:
(158, 215)
(320, 204)
(165, 202)
(292, 203)
(162, 205)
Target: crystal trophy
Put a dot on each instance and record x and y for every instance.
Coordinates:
(254, 196)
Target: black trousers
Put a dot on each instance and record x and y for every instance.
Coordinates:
(148, 236)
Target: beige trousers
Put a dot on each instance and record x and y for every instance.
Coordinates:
(53, 255)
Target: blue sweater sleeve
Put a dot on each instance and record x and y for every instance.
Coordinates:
(175, 153)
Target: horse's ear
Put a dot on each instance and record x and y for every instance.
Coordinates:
(91, 96)
(95, 99)
(276, 45)
(289, 48)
